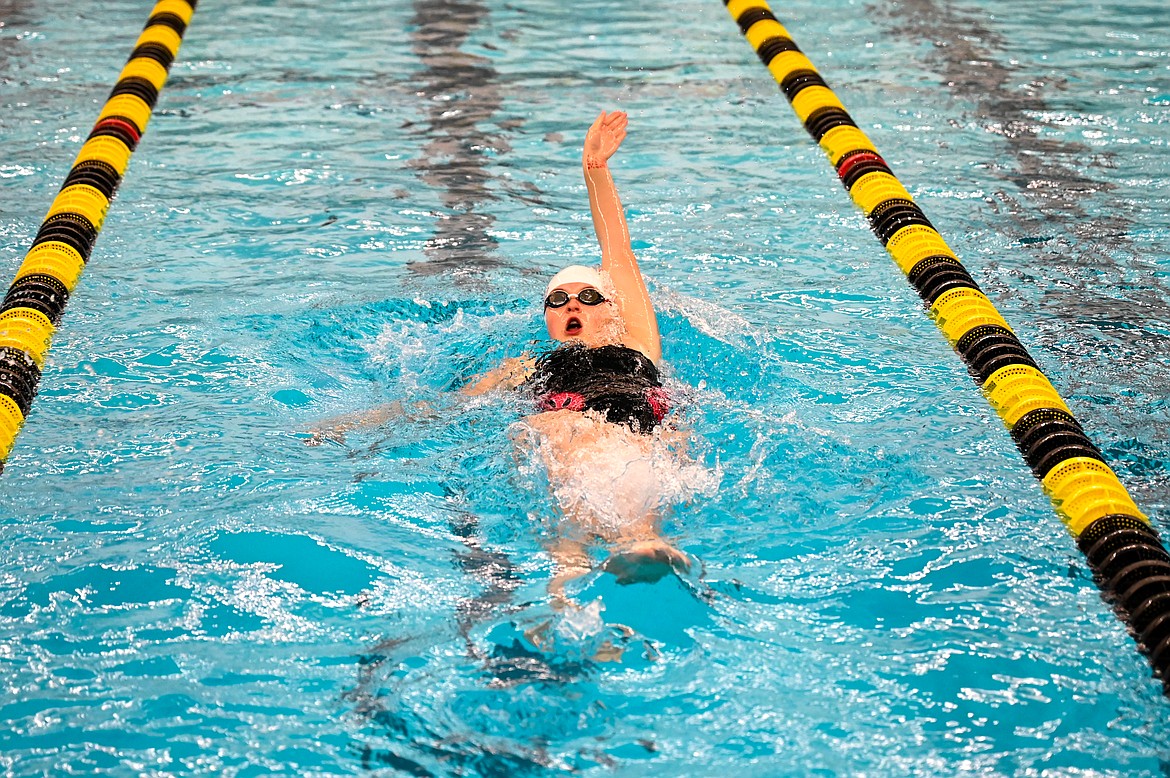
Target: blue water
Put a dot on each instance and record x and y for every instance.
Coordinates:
(336, 207)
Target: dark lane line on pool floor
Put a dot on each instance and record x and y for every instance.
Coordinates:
(462, 95)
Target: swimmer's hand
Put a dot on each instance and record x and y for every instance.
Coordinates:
(603, 138)
(646, 562)
(318, 435)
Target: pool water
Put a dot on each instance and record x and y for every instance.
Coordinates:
(340, 207)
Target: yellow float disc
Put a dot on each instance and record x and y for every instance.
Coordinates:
(177, 7)
(839, 141)
(162, 35)
(813, 98)
(1080, 516)
(53, 258)
(1072, 469)
(1012, 413)
(765, 29)
(132, 107)
(11, 420)
(105, 149)
(80, 199)
(910, 245)
(786, 62)
(27, 330)
(145, 67)
(737, 7)
(873, 189)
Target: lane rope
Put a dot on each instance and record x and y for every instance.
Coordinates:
(36, 299)
(1128, 558)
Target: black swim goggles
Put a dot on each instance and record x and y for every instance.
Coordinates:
(559, 298)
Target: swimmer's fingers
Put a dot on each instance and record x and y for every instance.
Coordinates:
(617, 121)
(615, 127)
(319, 436)
(616, 138)
(605, 135)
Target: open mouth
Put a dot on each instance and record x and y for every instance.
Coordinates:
(573, 326)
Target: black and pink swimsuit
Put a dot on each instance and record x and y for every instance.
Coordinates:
(619, 382)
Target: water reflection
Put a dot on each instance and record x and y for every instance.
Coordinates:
(11, 46)
(462, 98)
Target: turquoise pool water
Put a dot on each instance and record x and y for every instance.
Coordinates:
(336, 208)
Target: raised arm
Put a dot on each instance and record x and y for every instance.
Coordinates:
(609, 221)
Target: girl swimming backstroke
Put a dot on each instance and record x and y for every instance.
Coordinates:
(599, 429)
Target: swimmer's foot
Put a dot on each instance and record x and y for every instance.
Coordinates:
(646, 562)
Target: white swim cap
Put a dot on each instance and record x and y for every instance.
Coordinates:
(577, 274)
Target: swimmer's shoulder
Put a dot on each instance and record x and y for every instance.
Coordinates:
(654, 355)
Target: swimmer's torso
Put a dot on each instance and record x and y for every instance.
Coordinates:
(604, 476)
(618, 383)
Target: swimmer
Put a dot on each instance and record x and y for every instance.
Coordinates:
(599, 429)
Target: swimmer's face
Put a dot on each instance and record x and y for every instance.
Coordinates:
(574, 321)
